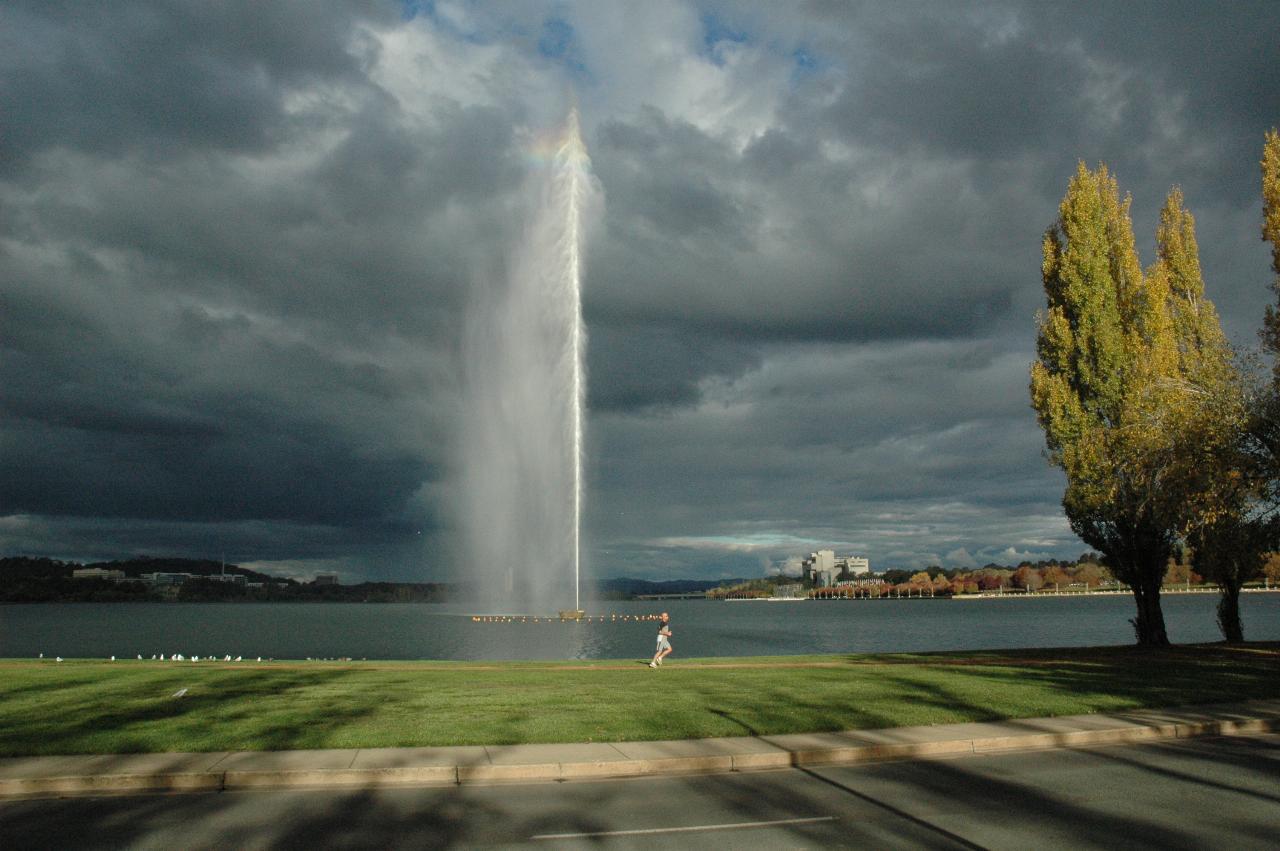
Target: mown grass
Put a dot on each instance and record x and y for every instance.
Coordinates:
(71, 707)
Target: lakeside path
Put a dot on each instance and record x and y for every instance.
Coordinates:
(49, 708)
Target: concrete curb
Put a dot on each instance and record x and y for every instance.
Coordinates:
(657, 758)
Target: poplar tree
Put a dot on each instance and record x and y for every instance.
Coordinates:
(1231, 543)
(1271, 233)
(1214, 469)
(1132, 385)
(1086, 382)
(1267, 421)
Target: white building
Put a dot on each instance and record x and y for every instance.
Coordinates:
(820, 568)
(824, 568)
(855, 565)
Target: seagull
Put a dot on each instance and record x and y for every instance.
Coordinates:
(180, 692)
(59, 658)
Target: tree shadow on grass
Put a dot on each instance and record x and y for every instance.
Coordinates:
(1117, 678)
(92, 722)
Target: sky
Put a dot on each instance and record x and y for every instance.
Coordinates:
(238, 242)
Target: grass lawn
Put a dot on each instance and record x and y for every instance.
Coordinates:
(48, 707)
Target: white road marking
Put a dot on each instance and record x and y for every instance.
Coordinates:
(693, 829)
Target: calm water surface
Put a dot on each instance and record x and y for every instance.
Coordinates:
(702, 628)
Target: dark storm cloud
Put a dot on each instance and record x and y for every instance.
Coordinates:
(1156, 89)
(238, 242)
(659, 367)
(162, 78)
(232, 309)
(775, 242)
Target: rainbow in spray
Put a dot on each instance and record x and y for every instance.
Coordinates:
(524, 409)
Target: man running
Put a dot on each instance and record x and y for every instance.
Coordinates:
(664, 640)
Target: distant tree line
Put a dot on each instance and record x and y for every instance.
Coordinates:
(1169, 437)
(1087, 573)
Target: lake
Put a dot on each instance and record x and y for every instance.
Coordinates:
(701, 627)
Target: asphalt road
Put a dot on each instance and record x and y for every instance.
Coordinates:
(1200, 793)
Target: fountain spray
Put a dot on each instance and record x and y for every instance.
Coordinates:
(522, 494)
(572, 152)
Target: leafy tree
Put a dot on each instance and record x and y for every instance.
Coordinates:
(1271, 233)
(1119, 383)
(1237, 523)
(1271, 567)
(1230, 529)
(1055, 576)
(1265, 422)
(1028, 578)
(1091, 574)
(990, 581)
(1231, 551)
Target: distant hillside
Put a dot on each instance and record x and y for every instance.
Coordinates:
(45, 580)
(24, 568)
(196, 567)
(25, 579)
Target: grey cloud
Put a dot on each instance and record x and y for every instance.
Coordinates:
(827, 264)
(162, 77)
(657, 367)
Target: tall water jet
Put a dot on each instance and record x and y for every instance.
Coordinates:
(524, 407)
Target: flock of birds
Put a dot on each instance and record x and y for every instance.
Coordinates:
(178, 657)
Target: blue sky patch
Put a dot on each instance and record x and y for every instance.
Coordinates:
(716, 33)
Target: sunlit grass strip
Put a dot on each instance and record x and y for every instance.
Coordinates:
(123, 707)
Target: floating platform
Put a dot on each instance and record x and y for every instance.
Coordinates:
(563, 616)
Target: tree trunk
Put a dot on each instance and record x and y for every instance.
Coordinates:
(1148, 626)
(1229, 613)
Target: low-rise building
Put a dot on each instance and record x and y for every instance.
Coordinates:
(98, 573)
(854, 565)
(166, 578)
